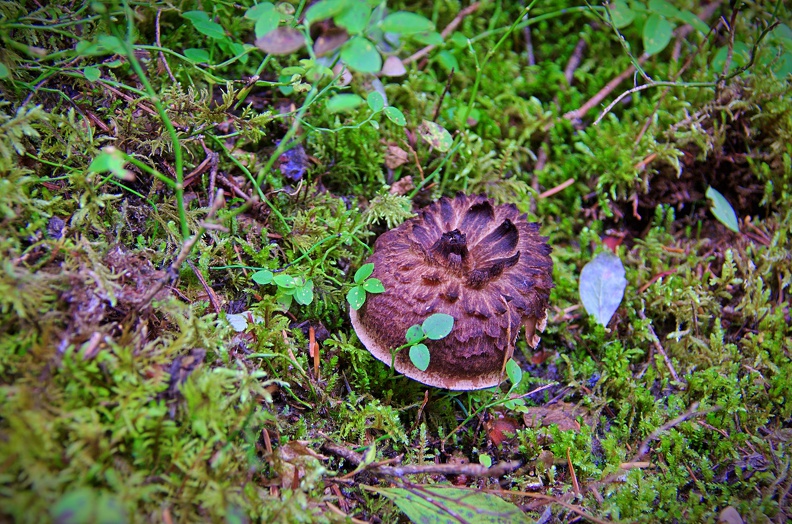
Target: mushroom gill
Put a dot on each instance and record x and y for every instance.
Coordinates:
(485, 265)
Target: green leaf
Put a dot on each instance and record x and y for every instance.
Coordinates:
(203, 25)
(343, 103)
(364, 272)
(356, 297)
(740, 55)
(304, 295)
(284, 300)
(438, 326)
(375, 101)
(374, 285)
(267, 23)
(419, 356)
(447, 61)
(259, 10)
(514, 372)
(92, 73)
(361, 55)
(263, 277)
(406, 23)
(354, 19)
(199, 56)
(435, 135)
(722, 210)
(662, 8)
(414, 334)
(4, 71)
(692, 20)
(284, 281)
(112, 44)
(324, 9)
(447, 505)
(621, 14)
(485, 460)
(429, 38)
(602, 286)
(112, 160)
(395, 116)
(657, 33)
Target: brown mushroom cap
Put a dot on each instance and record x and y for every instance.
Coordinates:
(484, 265)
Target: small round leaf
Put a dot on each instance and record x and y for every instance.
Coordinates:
(414, 334)
(285, 281)
(406, 23)
(361, 55)
(395, 116)
(364, 272)
(419, 356)
(374, 285)
(304, 295)
(262, 277)
(92, 73)
(356, 297)
(435, 135)
(514, 372)
(375, 101)
(438, 326)
(343, 103)
(657, 34)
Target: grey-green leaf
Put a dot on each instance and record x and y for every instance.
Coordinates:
(361, 55)
(364, 272)
(356, 297)
(374, 285)
(406, 23)
(343, 103)
(657, 33)
(602, 286)
(414, 333)
(263, 277)
(722, 210)
(621, 14)
(375, 101)
(395, 116)
(419, 356)
(438, 326)
(514, 372)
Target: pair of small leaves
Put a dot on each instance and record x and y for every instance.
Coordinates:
(288, 287)
(435, 327)
(658, 28)
(357, 295)
(376, 102)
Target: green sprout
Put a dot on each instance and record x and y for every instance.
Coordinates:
(435, 327)
(290, 288)
(357, 295)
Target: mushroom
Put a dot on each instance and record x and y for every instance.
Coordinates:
(485, 265)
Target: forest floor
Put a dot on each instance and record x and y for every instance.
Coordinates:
(189, 188)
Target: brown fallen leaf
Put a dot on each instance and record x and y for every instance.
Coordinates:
(330, 40)
(281, 41)
(402, 186)
(561, 413)
(393, 67)
(292, 460)
(395, 157)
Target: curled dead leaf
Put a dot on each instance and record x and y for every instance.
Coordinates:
(395, 157)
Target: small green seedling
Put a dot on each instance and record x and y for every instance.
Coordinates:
(435, 327)
(357, 295)
(289, 288)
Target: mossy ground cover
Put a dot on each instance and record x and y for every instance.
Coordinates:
(145, 375)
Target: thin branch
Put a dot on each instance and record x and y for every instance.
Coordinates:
(659, 347)
(471, 470)
(643, 449)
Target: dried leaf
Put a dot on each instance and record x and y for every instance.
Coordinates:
(393, 67)
(602, 286)
(281, 41)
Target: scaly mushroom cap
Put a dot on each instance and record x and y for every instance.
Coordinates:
(484, 265)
